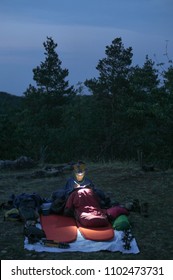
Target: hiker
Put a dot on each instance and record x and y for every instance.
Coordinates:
(79, 180)
(83, 202)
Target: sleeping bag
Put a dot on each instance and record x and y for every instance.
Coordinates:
(84, 204)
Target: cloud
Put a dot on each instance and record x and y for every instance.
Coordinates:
(79, 46)
(31, 35)
(76, 43)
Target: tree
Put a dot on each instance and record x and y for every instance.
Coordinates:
(44, 103)
(144, 80)
(112, 84)
(111, 89)
(144, 88)
(49, 76)
(168, 80)
(113, 70)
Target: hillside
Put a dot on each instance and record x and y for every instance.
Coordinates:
(9, 103)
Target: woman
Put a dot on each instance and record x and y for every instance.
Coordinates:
(83, 202)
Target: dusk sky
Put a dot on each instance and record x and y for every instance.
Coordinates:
(82, 29)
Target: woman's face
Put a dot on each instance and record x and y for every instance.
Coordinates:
(80, 176)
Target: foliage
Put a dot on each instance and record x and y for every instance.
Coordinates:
(129, 109)
(9, 103)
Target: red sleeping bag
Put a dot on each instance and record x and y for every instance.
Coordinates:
(85, 205)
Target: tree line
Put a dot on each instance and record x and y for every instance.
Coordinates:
(129, 109)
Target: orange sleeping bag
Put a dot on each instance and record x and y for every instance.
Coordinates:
(59, 228)
(97, 233)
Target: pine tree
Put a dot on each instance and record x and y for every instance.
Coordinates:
(50, 76)
(45, 102)
(52, 90)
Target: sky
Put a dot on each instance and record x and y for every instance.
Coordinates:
(82, 29)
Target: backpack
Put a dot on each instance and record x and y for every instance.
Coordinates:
(32, 200)
(28, 206)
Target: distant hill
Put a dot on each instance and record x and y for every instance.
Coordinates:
(9, 103)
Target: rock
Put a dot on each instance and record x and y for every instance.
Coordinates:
(3, 252)
(20, 163)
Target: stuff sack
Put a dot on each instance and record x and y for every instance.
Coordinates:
(57, 206)
(28, 213)
(58, 202)
(115, 212)
(45, 208)
(121, 223)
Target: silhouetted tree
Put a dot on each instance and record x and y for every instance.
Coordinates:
(111, 89)
(44, 103)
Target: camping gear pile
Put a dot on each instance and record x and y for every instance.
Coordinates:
(29, 208)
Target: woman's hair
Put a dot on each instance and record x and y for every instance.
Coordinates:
(79, 167)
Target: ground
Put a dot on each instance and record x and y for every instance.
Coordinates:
(124, 182)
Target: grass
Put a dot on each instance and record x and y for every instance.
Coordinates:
(124, 181)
